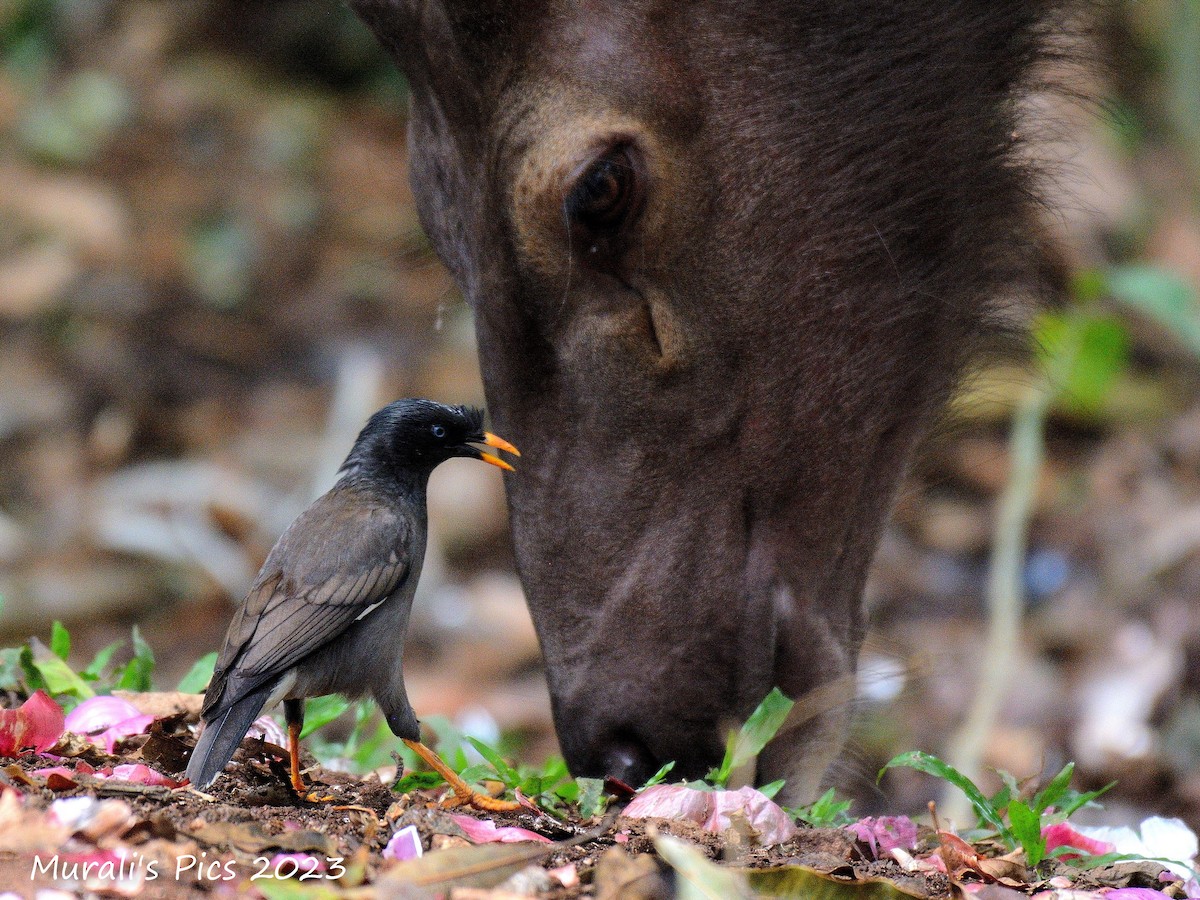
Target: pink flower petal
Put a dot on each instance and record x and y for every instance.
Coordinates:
(98, 713)
(765, 816)
(107, 720)
(404, 844)
(37, 725)
(1062, 834)
(567, 875)
(885, 833)
(484, 831)
(268, 729)
(1130, 893)
(140, 774)
(712, 809)
(670, 801)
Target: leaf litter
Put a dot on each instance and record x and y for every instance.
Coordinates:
(108, 811)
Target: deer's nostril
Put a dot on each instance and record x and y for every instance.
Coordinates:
(628, 759)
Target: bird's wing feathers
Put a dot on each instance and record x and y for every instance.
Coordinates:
(335, 563)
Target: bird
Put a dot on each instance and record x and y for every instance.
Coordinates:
(328, 611)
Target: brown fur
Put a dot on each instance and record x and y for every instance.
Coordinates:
(717, 409)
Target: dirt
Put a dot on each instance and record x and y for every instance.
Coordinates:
(238, 825)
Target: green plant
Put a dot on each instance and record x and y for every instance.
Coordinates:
(745, 744)
(826, 812)
(1015, 820)
(37, 666)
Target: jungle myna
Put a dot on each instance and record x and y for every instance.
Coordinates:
(329, 609)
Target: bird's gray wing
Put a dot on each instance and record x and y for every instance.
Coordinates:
(342, 557)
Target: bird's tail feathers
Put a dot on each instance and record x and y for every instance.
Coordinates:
(223, 735)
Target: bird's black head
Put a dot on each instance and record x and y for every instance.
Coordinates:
(417, 435)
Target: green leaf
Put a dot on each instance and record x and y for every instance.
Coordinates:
(747, 742)
(1027, 829)
(802, 882)
(1054, 791)
(1010, 788)
(826, 812)
(931, 765)
(592, 799)
(1073, 801)
(33, 678)
(60, 640)
(290, 889)
(60, 679)
(1162, 296)
(136, 676)
(10, 669)
(477, 773)
(770, 790)
(506, 772)
(1086, 351)
(417, 781)
(658, 776)
(100, 662)
(199, 675)
(320, 711)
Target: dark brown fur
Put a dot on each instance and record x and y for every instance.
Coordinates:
(715, 412)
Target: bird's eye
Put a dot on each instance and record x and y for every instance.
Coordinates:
(607, 193)
(439, 431)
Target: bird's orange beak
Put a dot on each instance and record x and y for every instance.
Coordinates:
(500, 443)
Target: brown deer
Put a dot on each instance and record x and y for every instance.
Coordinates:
(726, 260)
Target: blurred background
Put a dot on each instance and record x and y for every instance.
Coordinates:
(211, 273)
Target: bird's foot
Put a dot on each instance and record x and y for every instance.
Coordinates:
(482, 801)
(464, 794)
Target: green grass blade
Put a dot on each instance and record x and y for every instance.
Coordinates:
(1055, 790)
(1027, 829)
(507, 773)
(748, 741)
(931, 765)
(60, 640)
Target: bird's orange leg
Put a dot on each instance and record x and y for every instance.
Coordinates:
(293, 712)
(464, 793)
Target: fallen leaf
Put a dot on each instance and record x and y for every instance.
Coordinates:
(620, 876)
(802, 881)
(480, 865)
(58, 781)
(305, 863)
(700, 879)
(161, 704)
(36, 725)
(165, 748)
(249, 837)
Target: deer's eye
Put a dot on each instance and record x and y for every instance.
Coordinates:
(607, 193)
